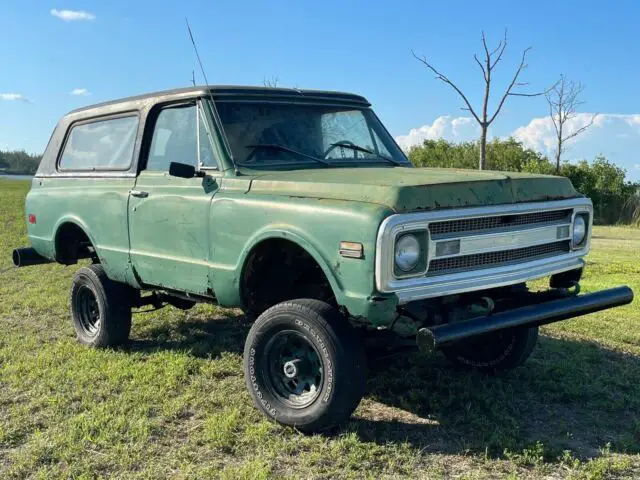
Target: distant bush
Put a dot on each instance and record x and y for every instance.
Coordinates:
(19, 162)
(615, 200)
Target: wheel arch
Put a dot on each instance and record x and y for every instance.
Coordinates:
(295, 238)
(71, 229)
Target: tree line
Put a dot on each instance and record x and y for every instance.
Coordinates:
(18, 162)
(615, 199)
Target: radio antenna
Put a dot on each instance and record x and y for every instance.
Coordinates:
(213, 103)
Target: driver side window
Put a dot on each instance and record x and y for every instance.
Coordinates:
(174, 138)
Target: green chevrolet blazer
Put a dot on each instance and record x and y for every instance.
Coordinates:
(298, 207)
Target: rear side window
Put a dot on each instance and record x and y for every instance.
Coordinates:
(100, 145)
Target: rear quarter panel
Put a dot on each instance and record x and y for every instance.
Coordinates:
(97, 205)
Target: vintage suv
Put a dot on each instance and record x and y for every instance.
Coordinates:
(299, 207)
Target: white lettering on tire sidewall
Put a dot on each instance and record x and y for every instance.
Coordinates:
(328, 366)
(256, 388)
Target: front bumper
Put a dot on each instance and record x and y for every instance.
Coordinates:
(429, 339)
(422, 288)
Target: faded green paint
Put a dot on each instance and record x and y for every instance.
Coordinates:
(168, 230)
(97, 205)
(240, 221)
(411, 189)
(194, 235)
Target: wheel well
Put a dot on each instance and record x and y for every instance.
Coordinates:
(72, 244)
(277, 270)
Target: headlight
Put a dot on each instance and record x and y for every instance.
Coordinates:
(579, 230)
(407, 253)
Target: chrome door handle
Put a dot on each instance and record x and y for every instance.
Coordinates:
(139, 193)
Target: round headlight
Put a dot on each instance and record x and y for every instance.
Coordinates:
(407, 252)
(579, 230)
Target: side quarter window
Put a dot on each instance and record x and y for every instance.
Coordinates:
(174, 138)
(100, 145)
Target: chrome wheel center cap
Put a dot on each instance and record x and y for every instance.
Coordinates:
(290, 369)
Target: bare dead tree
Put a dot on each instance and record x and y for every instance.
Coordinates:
(270, 82)
(490, 59)
(563, 99)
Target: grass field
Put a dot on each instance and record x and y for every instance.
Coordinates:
(173, 402)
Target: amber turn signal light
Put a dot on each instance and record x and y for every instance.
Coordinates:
(351, 250)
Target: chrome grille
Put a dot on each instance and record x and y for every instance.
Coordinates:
(479, 224)
(490, 259)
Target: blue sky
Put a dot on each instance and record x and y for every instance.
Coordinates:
(120, 48)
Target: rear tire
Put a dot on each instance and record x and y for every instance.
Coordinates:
(304, 366)
(494, 352)
(100, 308)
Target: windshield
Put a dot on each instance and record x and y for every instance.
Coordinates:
(286, 135)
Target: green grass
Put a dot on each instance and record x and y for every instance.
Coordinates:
(173, 402)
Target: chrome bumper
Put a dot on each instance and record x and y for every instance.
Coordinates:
(472, 281)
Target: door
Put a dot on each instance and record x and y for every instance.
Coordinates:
(169, 216)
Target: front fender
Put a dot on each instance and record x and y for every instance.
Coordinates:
(317, 226)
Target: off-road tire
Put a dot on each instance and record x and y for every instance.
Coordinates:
(494, 352)
(337, 348)
(91, 290)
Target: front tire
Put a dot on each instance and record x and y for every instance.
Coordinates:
(100, 308)
(304, 366)
(500, 351)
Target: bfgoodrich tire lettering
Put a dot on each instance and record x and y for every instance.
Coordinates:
(100, 308)
(304, 366)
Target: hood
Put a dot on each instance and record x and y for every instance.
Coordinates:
(410, 189)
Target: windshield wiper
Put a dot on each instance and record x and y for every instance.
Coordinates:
(358, 148)
(281, 148)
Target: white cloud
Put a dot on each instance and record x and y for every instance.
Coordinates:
(80, 91)
(450, 128)
(540, 133)
(14, 97)
(72, 15)
(616, 136)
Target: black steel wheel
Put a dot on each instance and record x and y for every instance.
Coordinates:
(296, 370)
(100, 308)
(494, 352)
(304, 366)
(88, 311)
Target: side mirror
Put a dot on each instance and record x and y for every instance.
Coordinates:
(182, 170)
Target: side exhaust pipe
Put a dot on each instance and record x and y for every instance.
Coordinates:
(429, 339)
(25, 257)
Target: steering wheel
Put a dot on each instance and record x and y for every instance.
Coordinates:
(337, 145)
